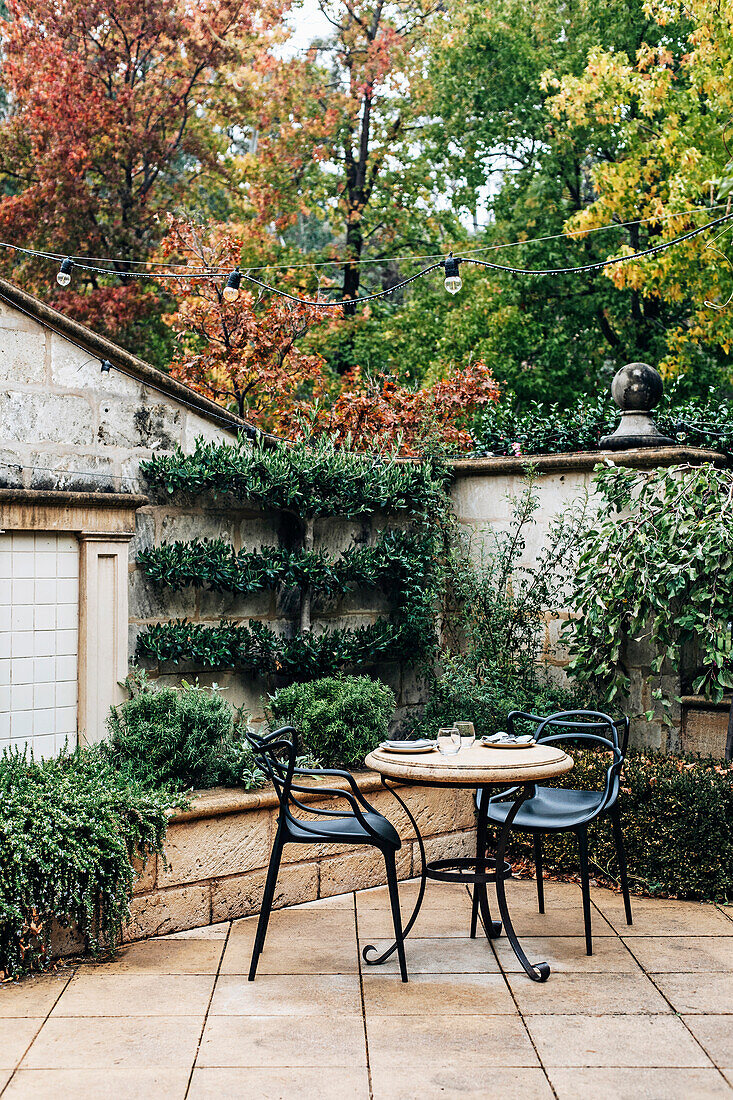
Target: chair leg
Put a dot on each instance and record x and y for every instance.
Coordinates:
(394, 900)
(538, 872)
(621, 855)
(267, 899)
(585, 884)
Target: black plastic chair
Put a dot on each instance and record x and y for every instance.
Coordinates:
(277, 756)
(561, 809)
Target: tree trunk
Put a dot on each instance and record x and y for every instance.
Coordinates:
(306, 596)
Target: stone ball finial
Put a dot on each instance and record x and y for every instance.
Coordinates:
(637, 388)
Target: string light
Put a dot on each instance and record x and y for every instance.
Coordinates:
(63, 276)
(453, 281)
(231, 290)
(449, 265)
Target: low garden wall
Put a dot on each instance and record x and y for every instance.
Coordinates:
(217, 852)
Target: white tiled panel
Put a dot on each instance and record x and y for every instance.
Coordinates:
(39, 613)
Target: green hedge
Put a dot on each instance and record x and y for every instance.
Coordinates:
(340, 718)
(677, 818)
(180, 738)
(69, 830)
(310, 478)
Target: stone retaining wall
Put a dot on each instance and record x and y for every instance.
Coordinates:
(216, 855)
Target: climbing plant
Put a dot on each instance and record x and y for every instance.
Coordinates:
(305, 482)
(657, 566)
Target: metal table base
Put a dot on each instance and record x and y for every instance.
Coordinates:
(476, 871)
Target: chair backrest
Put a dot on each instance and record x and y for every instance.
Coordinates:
(277, 755)
(586, 727)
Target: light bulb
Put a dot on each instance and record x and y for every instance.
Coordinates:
(231, 290)
(63, 275)
(453, 282)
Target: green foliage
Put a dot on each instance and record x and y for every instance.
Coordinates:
(180, 738)
(69, 830)
(534, 429)
(463, 695)
(496, 622)
(215, 564)
(258, 649)
(657, 565)
(340, 718)
(311, 478)
(677, 818)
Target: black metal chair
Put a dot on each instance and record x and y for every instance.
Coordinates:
(277, 755)
(561, 809)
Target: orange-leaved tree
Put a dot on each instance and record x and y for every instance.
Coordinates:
(378, 412)
(244, 354)
(107, 124)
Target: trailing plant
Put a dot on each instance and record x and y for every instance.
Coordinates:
(181, 738)
(657, 566)
(309, 478)
(677, 816)
(340, 718)
(70, 828)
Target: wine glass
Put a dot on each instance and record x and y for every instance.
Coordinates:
(467, 732)
(448, 740)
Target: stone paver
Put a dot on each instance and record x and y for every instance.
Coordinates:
(649, 1015)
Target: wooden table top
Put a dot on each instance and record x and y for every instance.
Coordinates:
(476, 766)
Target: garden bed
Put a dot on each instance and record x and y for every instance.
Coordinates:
(216, 856)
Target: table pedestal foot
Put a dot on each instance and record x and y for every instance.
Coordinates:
(538, 972)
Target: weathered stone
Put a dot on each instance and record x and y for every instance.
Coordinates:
(705, 730)
(185, 526)
(360, 870)
(146, 874)
(135, 424)
(241, 895)
(75, 369)
(23, 357)
(144, 538)
(168, 911)
(257, 605)
(148, 600)
(11, 471)
(45, 417)
(226, 845)
(75, 473)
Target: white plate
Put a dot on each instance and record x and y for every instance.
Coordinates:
(409, 748)
(507, 744)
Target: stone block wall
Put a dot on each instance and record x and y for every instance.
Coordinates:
(66, 425)
(217, 856)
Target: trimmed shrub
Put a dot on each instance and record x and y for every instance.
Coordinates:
(340, 718)
(180, 738)
(69, 830)
(677, 819)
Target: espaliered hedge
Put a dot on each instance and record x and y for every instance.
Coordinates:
(216, 565)
(309, 481)
(307, 478)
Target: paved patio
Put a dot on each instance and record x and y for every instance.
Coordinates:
(649, 1015)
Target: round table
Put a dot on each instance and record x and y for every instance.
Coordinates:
(480, 768)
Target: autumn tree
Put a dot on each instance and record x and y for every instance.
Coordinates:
(244, 354)
(338, 138)
(107, 125)
(668, 112)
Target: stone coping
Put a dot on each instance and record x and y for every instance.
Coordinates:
(231, 800)
(700, 702)
(641, 458)
(65, 496)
